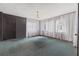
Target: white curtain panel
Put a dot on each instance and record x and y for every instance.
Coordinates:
(42, 28)
(61, 27)
(32, 27)
(69, 23)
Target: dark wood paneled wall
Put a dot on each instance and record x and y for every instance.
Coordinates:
(12, 26)
(0, 26)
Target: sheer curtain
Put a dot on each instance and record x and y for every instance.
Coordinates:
(61, 27)
(65, 26)
(69, 23)
(32, 28)
(42, 28)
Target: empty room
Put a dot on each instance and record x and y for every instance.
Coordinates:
(38, 29)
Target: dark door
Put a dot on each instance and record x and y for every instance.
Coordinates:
(9, 27)
(20, 27)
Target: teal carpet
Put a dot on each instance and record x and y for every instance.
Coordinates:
(36, 46)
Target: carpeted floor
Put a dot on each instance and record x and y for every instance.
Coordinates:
(36, 46)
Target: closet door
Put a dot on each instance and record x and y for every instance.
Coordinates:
(20, 27)
(0, 26)
(9, 27)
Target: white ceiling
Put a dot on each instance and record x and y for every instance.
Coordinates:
(46, 10)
